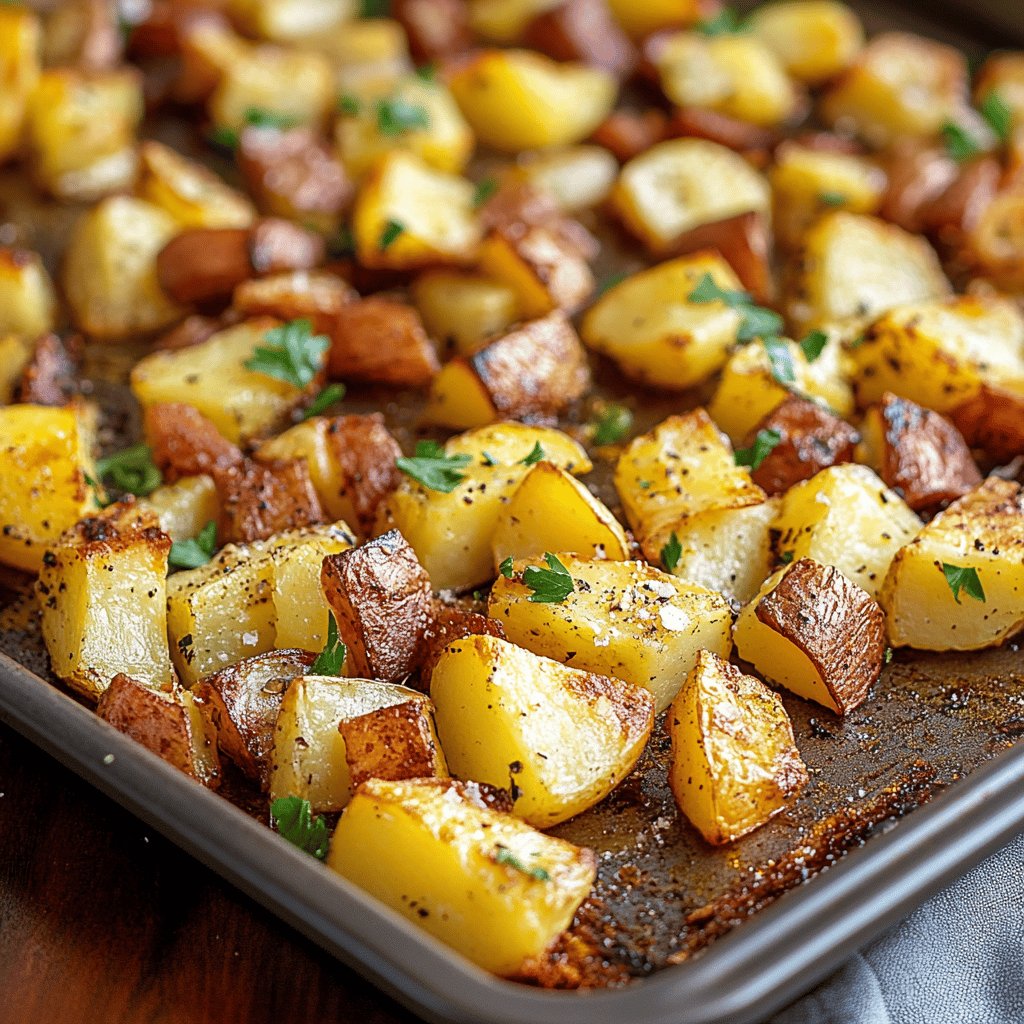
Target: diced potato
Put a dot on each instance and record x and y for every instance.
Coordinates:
(807, 183)
(678, 185)
(308, 757)
(81, 131)
(458, 398)
(852, 268)
(901, 86)
(20, 40)
(1002, 74)
(559, 738)
(846, 517)
(641, 19)
(103, 601)
(814, 632)
(508, 444)
(15, 354)
(519, 99)
(191, 193)
(657, 336)
(110, 275)
(735, 763)
(993, 420)
(184, 507)
(814, 39)
(627, 620)
(409, 215)
(983, 532)
(578, 177)
(376, 127)
(491, 887)
(505, 21)
(367, 55)
(735, 75)
(208, 48)
(995, 245)
(749, 390)
(463, 309)
(939, 353)
(28, 305)
(212, 377)
(287, 20)
(552, 511)
(44, 460)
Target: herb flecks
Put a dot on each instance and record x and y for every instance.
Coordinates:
(293, 353)
(551, 585)
(330, 660)
(484, 190)
(431, 467)
(389, 234)
(191, 554)
(396, 116)
(755, 321)
(614, 425)
(331, 395)
(131, 470)
(536, 453)
(503, 855)
(764, 444)
(671, 552)
(813, 345)
(294, 819)
(963, 578)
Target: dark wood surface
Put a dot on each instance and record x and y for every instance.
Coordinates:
(102, 921)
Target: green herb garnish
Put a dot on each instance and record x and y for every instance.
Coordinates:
(813, 345)
(764, 444)
(614, 425)
(396, 116)
(349, 104)
(966, 579)
(431, 467)
(330, 394)
(831, 198)
(506, 568)
(293, 353)
(550, 586)
(225, 138)
(726, 23)
(998, 115)
(780, 360)
(671, 552)
(536, 454)
(294, 819)
(887, 658)
(427, 72)
(389, 234)
(755, 321)
(374, 8)
(483, 191)
(786, 557)
(191, 554)
(503, 855)
(960, 144)
(131, 470)
(331, 659)
(260, 117)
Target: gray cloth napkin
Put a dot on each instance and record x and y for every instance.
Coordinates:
(959, 959)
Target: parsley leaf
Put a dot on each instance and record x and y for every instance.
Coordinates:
(755, 321)
(431, 467)
(609, 283)
(966, 579)
(294, 353)
(671, 553)
(375, 8)
(396, 116)
(831, 198)
(813, 345)
(764, 444)
(483, 191)
(550, 586)
(726, 22)
(506, 568)
(786, 557)
(330, 660)
(131, 470)
(330, 394)
(888, 656)
(614, 425)
(349, 104)
(780, 360)
(960, 144)
(294, 819)
(427, 72)
(998, 115)
(503, 855)
(260, 117)
(191, 554)
(224, 137)
(97, 490)
(536, 454)
(389, 234)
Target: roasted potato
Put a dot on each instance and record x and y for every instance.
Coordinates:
(559, 738)
(313, 295)
(483, 882)
(28, 305)
(577, 177)
(184, 507)
(20, 39)
(366, 54)
(995, 244)
(462, 309)
(437, 29)
(585, 31)
(814, 632)
(959, 584)
(290, 20)
(814, 39)
(50, 377)
(735, 763)
(623, 619)
(448, 623)
(641, 20)
(993, 420)
(15, 353)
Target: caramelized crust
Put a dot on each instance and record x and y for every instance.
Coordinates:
(259, 499)
(448, 624)
(393, 743)
(993, 420)
(628, 133)
(585, 31)
(436, 29)
(744, 242)
(50, 378)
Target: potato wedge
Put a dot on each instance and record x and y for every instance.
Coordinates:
(641, 20)
(462, 310)
(979, 535)
(814, 39)
(28, 303)
(624, 619)
(814, 632)
(184, 507)
(50, 377)
(483, 882)
(448, 623)
(735, 763)
(559, 738)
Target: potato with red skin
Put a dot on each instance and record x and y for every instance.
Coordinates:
(184, 442)
(749, 139)
(993, 420)
(313, 295)
(50, 376)
(918, 453)
(585, 31)
(436, 29)
(627, 133)
(812, 438)
(448, 624)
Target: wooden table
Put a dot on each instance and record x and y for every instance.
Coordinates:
(102, 921)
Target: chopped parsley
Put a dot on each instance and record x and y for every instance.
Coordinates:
(374, 8)
(224, 137)
(191, 554)
(786, 557)
(396, 116)
(764, 444)
(427, 72)
(831, 198)
(614, 425)
(726, 23)
(551, 585)
(389, 234)
(260, 117)
(293, 353)
(432, 468)
(755, 321)
(330, 660)
(483, 191)
(503, 855)
(329, 396)
(960, 144)
(506, 568)
(535, 455)
(671, 553)
(887, 658)
(965, 579)
(294, 819)
(131, 470)
(780, 361)
(813, 345)
(998, 116)
(349, 104)
(609, 283)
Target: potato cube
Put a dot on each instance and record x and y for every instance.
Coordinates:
(103, 601)
(308, 758)
(846, 517)
(627, 620)
(288, 20)
(657, 336)
(505, 21)
(491, 887)
(409, 215)
(366, 55)
(576, 177)
(518, 99)
(735, 763)
(995, 245)
(814, 632)
(20, 41)
(559, 738)
(814, 39)
(509, 443)
(1002, 74)
(552, 511)
(28, 305)
(462, 310)
(184, 507)
(980, 536)
(678, 185)
(993, 420)
(640, 20)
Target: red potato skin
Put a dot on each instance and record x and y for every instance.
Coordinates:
(628, 133)
(436, 29)
(754, 142)
(318, 297)
(993, 420)
(584, 31)
(450, 623)
(392, 743)
(917, 176)
(50, 378)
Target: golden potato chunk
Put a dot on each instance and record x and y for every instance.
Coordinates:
(103, 601)
(290, 20)
(735, 763)
(494, 889)
(814, 632)
(20, 39)
(814, 39)
(28, 304)
(559, 738)
(576, 177)
(462, 310)
(184, 507)
(959, 584)
(993, 420)
(641, 20)
(15, 354)
(624, 619)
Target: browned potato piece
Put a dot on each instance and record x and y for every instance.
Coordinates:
(627, 133)
(918, 453)
(754, 141)
(917, 174)
(814, 632)
(243, 702)
(382, 340)
(995, 246)
(585, 31)
(381, 599)
(448, 624)
(294, 174)
(185, 443)
(259, 499)
(83, 34)
(436, 29)
(50, 376)
(171, 726)
(993, 420)
(812, 438)
(393, 743)
(316, 296)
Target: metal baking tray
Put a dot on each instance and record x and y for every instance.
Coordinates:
(907, 793)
